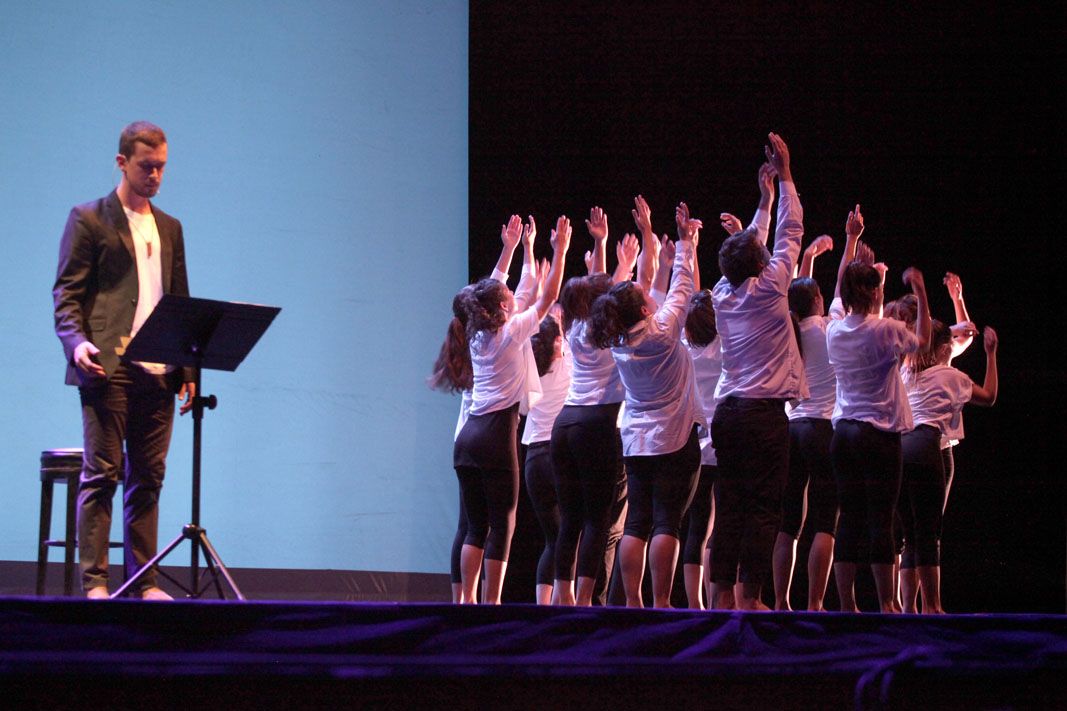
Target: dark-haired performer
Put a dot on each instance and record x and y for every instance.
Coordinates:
(761, 369)
(117, 258)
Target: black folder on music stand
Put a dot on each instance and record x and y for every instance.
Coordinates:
(197, 333)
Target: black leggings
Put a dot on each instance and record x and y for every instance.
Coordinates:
(586, 462)
(922, 496)
(810, 490)
(700, 518)
(457, 542)
(541, 487)
(752, 445)
(867, 467)
(487, 463)
(660, 489)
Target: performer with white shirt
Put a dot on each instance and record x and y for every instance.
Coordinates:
(761, 369)
(937, 393)
(117, 258)
(870, 413)
(485, 455)
(585, 444)
(810, 490)
(661, 416)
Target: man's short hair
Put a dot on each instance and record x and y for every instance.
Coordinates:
(147, 133)
(742, 255)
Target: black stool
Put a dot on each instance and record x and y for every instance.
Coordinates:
(63, 466)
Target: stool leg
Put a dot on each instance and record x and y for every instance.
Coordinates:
(72, 533)
(45, 532)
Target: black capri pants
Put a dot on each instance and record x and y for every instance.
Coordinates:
(661, 486)
(700, 517)
(541, 486)
(922, 496)
(810, 490)
(587, 464)
(867, 467)
(752, 446)
(486, 460)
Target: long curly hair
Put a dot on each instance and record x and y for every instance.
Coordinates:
(544, 344)
(452, 371)
(484, 312)
(614, 314)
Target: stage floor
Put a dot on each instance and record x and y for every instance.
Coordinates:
(58, 652)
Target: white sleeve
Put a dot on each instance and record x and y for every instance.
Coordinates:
(671, 315)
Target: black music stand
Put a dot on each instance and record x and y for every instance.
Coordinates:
(197, 333)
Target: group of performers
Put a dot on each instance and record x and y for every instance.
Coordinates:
(734, 413)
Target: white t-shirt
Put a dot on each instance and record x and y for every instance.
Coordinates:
(662, 404)
(595, 378)
(502, 362)
(937, 396)
(865, 352)
(822, 383)
(147, 249)
(707, 367)
(760, 358)
(554, 386)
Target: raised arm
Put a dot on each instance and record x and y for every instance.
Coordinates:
(646, 262)
(597, 224)
(821, 245)
(526, 293)
(914, 279)
(790, 227)
(987, 393)
(510, 234)
(671, 314)
(561, 240)
(762, 219)
(853, 230)
(626, 252)
(963, 332)
(662, 281)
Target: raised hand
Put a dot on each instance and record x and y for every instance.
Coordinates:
(688, 227)
(766, 177)
(667, 250)
(561, 236)
(642, 215)
(588, 259)
(511, 233)
(626, 252)
(777, 153)
(913, 278)
(820, 245)
(597, 224)
(954, 286)
(864, 253)
(529, 233)
(964, 329)
(989, 339)
(542, 270)
(730, 223)
(854, 223)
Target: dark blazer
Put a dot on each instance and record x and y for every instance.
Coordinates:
(95, 293)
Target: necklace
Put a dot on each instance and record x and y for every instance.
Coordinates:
(147, 240)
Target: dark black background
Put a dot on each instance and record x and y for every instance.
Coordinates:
(945, 123)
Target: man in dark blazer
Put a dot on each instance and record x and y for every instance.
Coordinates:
(117, 258)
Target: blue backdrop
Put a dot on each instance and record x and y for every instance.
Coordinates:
(318, 162)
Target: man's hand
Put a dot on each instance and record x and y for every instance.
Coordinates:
(766, 177)
(529, 233)
(778, 156)
(83, 359)
(730, 223)
(688, 227)
(989, 340)
(954, 286)
(186, 395)
(820, 245)
(854, 224)
(561, 236)
(597, 224)
(626, 252)
(642, 215)
(511, 233)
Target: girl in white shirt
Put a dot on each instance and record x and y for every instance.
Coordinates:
(869, 415)
(663, 411)
(937, 393)
(485, 455)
